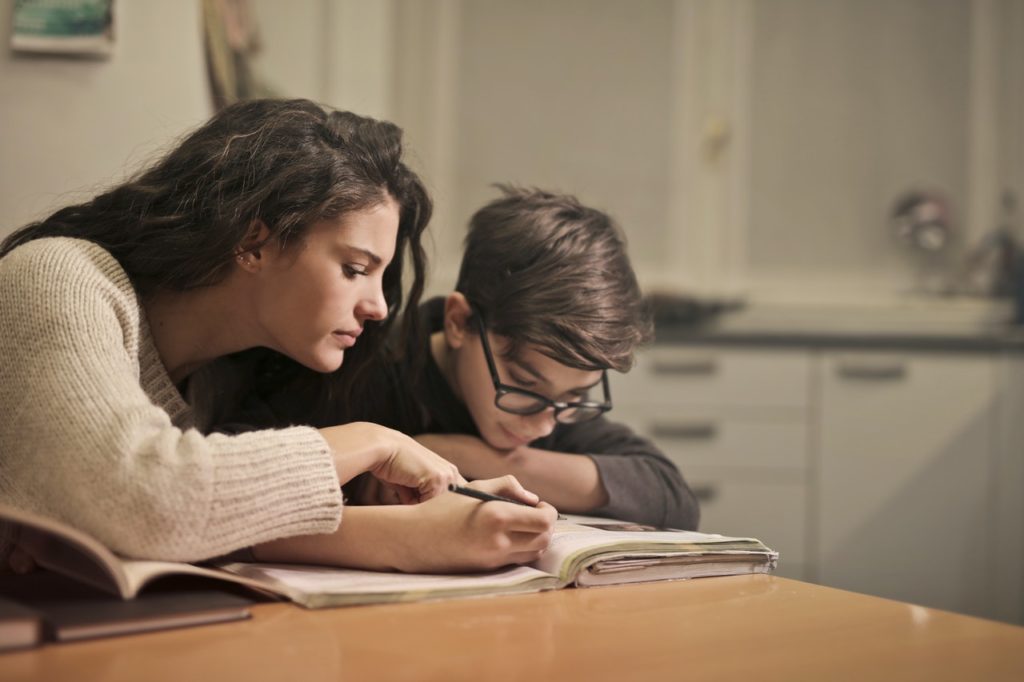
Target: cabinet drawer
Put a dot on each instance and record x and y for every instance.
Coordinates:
(773, 510)
(718, 438)
(698, 375)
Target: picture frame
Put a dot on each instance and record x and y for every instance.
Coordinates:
(83, 28)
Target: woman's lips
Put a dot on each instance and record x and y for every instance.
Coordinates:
(346, 339)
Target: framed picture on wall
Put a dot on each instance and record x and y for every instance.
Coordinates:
(65, 27)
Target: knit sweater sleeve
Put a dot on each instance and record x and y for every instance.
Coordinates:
(82, 441)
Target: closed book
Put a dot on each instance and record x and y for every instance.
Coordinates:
(71, 611)
(20, 626)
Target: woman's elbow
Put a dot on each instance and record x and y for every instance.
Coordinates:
(160, 532)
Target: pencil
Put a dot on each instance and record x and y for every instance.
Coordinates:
(488, 497)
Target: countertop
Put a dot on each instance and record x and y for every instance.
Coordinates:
(956, 326)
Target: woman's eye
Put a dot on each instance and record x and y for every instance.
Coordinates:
(352, 271)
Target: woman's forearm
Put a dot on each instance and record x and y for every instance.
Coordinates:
(448, 533)
(368, 538)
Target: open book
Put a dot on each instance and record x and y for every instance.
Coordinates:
(584, 552)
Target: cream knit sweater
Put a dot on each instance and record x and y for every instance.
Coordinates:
(94, 433)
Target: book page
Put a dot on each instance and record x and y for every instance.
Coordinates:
(139, 573)
(317, 586)
(598, 574)
(67, 550)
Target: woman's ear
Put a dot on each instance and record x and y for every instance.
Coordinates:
(457, 312)
(249, 254)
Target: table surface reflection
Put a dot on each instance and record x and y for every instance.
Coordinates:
(743, 627)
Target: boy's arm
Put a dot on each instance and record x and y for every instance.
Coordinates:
(570, 482)
(596, 467)
(643, 485)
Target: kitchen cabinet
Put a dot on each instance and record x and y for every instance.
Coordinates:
(736, 424)
(895, 471)
(1008, 527)
(906, 475)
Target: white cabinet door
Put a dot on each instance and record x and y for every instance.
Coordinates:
(906, 477)
(768, 505)
(1008, 530)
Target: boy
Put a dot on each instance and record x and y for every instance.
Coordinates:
(514, 380)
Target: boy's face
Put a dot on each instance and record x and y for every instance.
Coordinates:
(530, 370)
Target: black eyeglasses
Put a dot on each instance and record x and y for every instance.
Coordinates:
(522, 402)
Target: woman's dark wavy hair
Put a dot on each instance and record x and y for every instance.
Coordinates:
(288, 163)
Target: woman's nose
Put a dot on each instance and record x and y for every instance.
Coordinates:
(374, 306)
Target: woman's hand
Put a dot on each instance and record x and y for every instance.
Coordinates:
(455, 533)
(415, 472)
(449, 533)
(373, 491)
(20, 561)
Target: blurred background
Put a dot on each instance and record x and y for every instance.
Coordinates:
(821, 197)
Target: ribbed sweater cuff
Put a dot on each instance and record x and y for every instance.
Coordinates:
(272, 484)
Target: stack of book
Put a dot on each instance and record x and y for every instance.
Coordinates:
(584, 552)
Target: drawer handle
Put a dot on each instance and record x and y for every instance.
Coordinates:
(692, 431)
(705, 493)
(873, 372)
(695, 367)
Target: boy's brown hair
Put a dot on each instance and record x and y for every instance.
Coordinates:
(546, 271)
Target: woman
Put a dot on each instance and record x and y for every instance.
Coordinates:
(275, 224)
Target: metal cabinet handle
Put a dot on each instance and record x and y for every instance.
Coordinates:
(705, 493)
(684, 367)
(884, 371)
(684, 431)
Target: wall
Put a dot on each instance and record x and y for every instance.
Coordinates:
(1009, 19)
(744, 146)
(747, 148)
(339, 52)
(853, 104)
(73, 125)
(573, 96)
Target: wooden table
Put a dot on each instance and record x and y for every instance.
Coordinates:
(739, 628)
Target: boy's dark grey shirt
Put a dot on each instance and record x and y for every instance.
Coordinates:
(643, 485)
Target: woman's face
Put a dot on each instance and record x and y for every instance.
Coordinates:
(314, 297)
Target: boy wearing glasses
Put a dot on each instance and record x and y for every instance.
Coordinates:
(515, 377)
